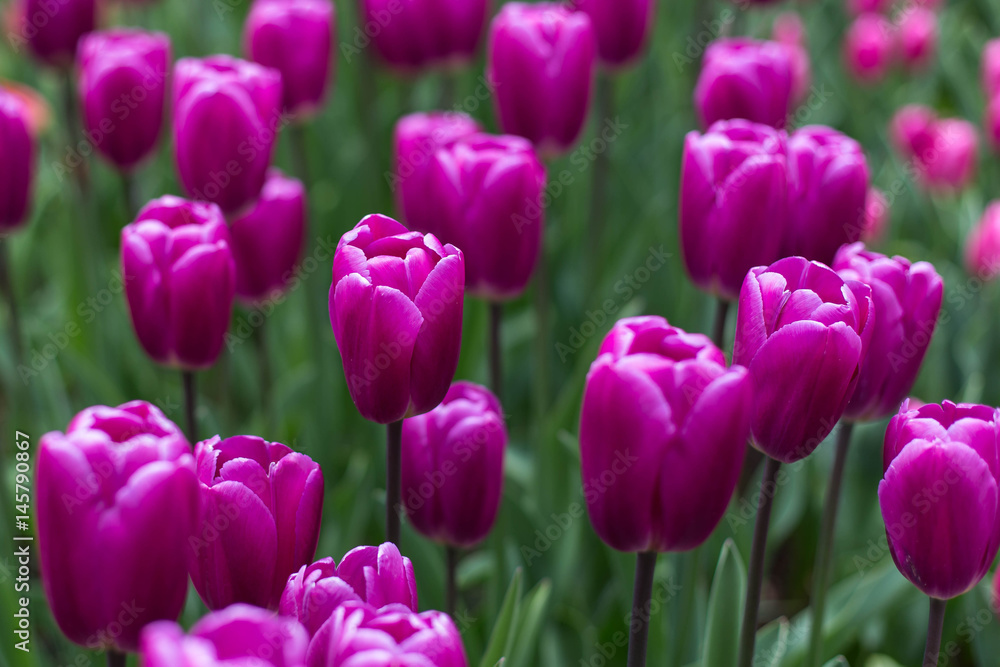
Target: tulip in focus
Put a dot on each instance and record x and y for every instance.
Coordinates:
(982, 247)
(117, 500)
(790, 33)
(907, 299)
(123, 89)
(917, 36)
(17, 169)
(396, 313)
(52, 30)
(227, 113)
(733, 203)
(411, 34)
(803, 333)
(261, 505)
(939, 495)
(991, 68)
(745, 78)
(541, 62)
(294, 37)
(668, 421)
(621, 27)
(869, 47)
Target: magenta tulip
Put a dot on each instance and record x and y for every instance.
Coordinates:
(410, 34)
(876, 218)
(621, 27)
(944, 151)
(52, 29)
(17, 169)
(917, 36)
(857, 7)
(745, 78)
(982, 247)
(991, 68)
(869, 47)
(789, 32)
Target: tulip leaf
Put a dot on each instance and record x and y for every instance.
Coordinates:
(725, 608)
(881, 661)
(772, 642)
(502, 637)
(977, 615)
(839, 661)
(532, 619)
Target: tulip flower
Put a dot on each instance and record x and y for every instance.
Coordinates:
(917, 36)
(912, 129)
(237, 635)
(541, 62)
(944, 151)
(827, 189)
(869, 47)
(260, 515)
(991, 121)
(122, 84)
(117, 499)
(857, 7)
(982, 247)
(52, 30)
(294, 37)
(227, 113)
(621, 27)
(733, 204)
(267, 241)
(876, 216)
(17, 169)
(991, 68)
(790, 33)
(745, 78)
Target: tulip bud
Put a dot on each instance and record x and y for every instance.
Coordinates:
(869, 46)
(260, 516)
(227, 113)
(484, 195)
(541, 62)
(907, 299)
(733, 203)
(982, 247)
(789, 32)
(827, 189)
(744, 78)
(991, 121)
(876, 216)
(239, 634)
(179, 280)
(857, 7)
(416, 138)
(917, 36)
(117, 501)
(410, 34)
(621, 27)
(912, 130)
(663, 428)
(122, 83)
(396, 313)
(17, 169)
(453, 466)
(944, 151)
(267, 240)
(939, 495)
(991, 68)
(294, 37)
(52, 29)
(803, 332)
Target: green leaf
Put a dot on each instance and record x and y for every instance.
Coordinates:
(725, 608)
(772, 642)
(532, 618)
(881, 661)
(502, 637)
(839, 661)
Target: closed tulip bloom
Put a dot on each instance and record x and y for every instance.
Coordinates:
(744, 78)
(227, 113)
(803, 332)
(991, 68)
(917, 36)
(790, 33)
(912, 129)
(52, 30)
(621, 27)
(17, 169)
(179, 280)
(858, 7)
(876, 218)
(484, 195)
(665, 418)
(453, 466)
(827, 189)
(982, 247)
(117, 501)
(733, 203)
(410, 34)
(939, 495)
(869, 47)
(396, 313)
(991, 121)
(122, 83)
(293, 37)
(541, 62)
(907, 299)
(267, 240)
(238, 635)
(268, 500)
(944, 151)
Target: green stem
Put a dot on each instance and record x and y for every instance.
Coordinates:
(300, 152)
(116, 658)
(393, 486)
(719, 328)
(7, 288)
(687, 604)
(599, 185)
(190, 405)
(451, 589)
(642, 595)
(496, 362)
(130, 195)
(82, 170)
(264, 366)
(935, 626)
(541, 337)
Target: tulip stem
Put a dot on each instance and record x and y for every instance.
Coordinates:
(130, 195)
(642, 595)
(602, 164)
(824, 550)
(541, 369)
(7, 287)
(719, 328)
(935, 626)
(264, 364)
(451, 588)
(496, 364)
(116, 658)
(755, 574)
(190, 405)
(300, 152)
(81, 172)
(393, 458)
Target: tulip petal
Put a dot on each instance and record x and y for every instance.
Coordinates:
(435, 355)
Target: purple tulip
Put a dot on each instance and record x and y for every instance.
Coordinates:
(733, 204)
(907, 299)
(453, 466)
(621, 27)
(260, 515)
(117, 501)
(410, 34)
(939, 495)
(827, 190)
(396, 312)
(869, 47)
(745, 78)
(416, 138)
(294, 37)
(803, 332)
(267, 240)
(991, 68)
(237, 636)
(179, 280)
(361, 636)
(17, 169)
(484, 195)
(982, 246)
(541, 62)
(943, 150)
(789, 32)
(52, 29)
(227, 113)
(122, 83)
(917, 36)
(663, 430)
